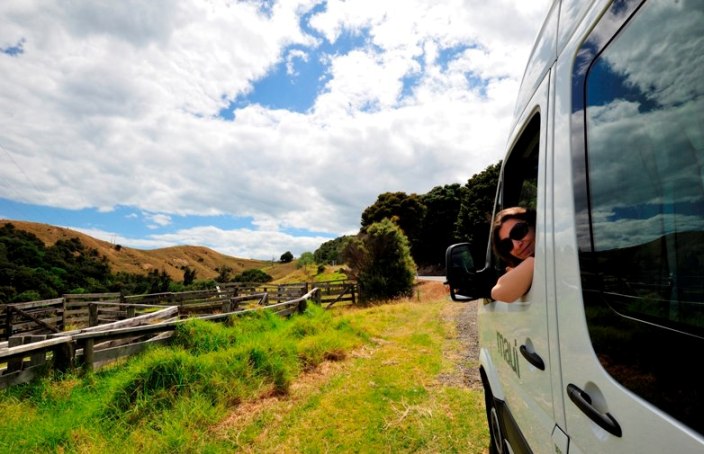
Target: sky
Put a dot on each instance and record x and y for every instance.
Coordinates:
(250, 127)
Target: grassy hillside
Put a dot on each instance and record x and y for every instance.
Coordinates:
(172, 259)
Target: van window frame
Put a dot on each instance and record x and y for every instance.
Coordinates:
(518, 186)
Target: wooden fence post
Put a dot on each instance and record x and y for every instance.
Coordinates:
(8, 323)
(92, 314)
(63, 314)
(15, 364)
(88, 354)
(64, 357)
(130, 309)
(36, 358)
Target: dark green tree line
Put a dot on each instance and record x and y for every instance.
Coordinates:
(433, 221)
(474, 217)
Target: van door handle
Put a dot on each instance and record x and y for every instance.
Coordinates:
(532, 357)
(584, 403)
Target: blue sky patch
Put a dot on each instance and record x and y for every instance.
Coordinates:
(476, 83)
(15, 50)
(132, 222)
(449, 54)
(266, 6)
(295, 82)
(411, 80)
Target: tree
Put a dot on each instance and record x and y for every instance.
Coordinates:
(476, 207)
(330, 251)
(305, 259)
(159, 281)
(189, 275)
(438, 229)
(409, 210)
(381, 262)
(223, 273)
(286, 257)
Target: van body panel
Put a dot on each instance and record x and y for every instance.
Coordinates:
(485, 360)
(551, 320)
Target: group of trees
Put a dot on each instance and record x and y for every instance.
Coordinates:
(400, 232)
(445, 215)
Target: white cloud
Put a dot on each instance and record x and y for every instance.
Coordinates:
(117, 104)
(158, 220)
(245, 243)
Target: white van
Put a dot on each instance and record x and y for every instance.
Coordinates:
(603, 352)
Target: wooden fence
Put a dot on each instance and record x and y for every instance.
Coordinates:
(92, 330)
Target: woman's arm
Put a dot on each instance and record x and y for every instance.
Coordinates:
(515, 283)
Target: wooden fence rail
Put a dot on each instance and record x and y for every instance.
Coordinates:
(75, 311)
(105, 328)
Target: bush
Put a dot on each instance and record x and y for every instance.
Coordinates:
(381, 262)
(253, 275)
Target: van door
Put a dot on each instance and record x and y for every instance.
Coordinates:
(516, 334)
(629, 241)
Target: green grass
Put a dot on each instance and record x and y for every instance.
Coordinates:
(358, 380)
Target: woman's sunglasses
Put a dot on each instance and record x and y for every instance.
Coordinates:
(518, 232)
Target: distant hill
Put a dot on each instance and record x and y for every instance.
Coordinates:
(172, 259)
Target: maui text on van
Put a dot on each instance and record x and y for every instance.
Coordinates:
(602, 353)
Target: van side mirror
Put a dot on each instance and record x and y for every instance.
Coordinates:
(465, 282)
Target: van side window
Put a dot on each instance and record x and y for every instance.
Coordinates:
(519, 180)
(520, 177)
(639, 192)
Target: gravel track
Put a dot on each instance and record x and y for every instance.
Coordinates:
(465, 352)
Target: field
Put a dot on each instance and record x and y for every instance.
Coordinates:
(397, 377)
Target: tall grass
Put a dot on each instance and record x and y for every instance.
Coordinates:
(166, 398)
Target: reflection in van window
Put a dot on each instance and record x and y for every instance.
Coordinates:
(644, 276)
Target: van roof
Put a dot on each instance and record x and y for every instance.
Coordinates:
(542, 56)
(561, 22)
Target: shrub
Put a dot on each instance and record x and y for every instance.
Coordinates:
(253, 275)
(380, 260)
